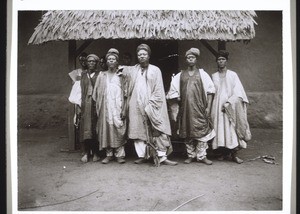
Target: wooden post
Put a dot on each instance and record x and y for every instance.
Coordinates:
(71, 128)
(83, 46)
(221, 45)
(209, 47)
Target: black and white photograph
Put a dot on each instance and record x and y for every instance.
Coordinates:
(151, 110)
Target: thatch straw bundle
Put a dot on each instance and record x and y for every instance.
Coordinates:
(146, 24)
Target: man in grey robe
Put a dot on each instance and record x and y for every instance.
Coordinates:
(146, 108)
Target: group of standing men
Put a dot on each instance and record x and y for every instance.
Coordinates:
(129, 102)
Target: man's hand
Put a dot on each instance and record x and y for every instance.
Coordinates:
(118, 122)
(207, 111)
(225, 106)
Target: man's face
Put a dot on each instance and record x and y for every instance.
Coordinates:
(222, 62)
(82, 61)
(143, 57)
(126, 60)
(91, 63)
(112, 61)
(102, 63)
(191, 60)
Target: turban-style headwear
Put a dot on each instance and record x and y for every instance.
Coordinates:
(113, 52)
(96, 58)
(193, 51)
(223, 53)
(143, 47)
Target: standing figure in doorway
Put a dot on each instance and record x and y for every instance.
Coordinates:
(229, 111)
(102, 64)
(126, 59)
(149, 124)
(108, 95)
(88, 110)
(194, 90)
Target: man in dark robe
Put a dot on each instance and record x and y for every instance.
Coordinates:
(88, 110)
(75, 95)
(194, 90)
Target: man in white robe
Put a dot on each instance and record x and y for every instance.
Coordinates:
(229, 111)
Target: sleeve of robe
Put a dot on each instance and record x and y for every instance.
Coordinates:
(74, 74)
(172, 97)
(156, 108)
(236, 111)
(238, 89)
(208, 84)
(174, 91)
(98, 89)
(125, 88)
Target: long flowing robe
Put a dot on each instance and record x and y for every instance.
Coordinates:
(88, 107)
(193, 91)
(227, 88)
(145, 96)
(108, 95)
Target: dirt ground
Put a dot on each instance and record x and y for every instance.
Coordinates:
(51, 180)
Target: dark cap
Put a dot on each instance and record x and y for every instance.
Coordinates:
(222, 53)
(143, 47)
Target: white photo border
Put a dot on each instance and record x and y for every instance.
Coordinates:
(268, 5)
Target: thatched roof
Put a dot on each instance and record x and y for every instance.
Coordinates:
(147, 24)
